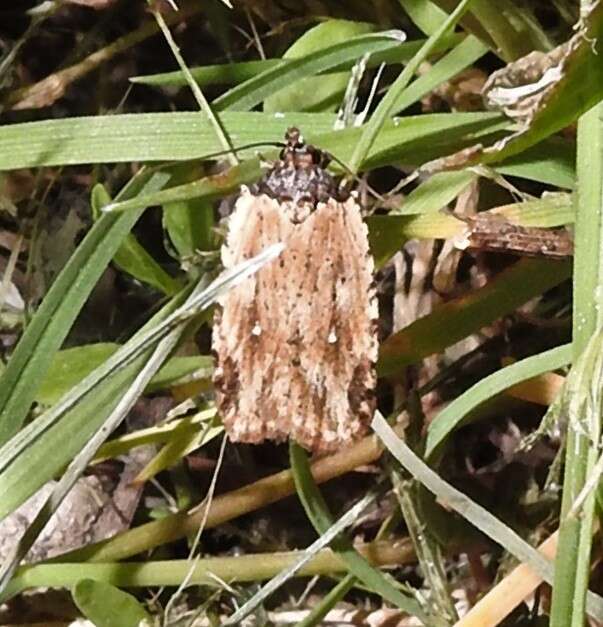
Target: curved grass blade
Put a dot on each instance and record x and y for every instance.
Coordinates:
(16, 481)
(235, 73)
(53, 319)
(320, 517)
(155, 435)
(454, 413)
(176, 449)
(477, 515)
(250, 93)
(219, 74)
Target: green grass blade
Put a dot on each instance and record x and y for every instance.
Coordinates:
(572, 566)
(61, 305)
(235, 73)
(320, 517)
(477, 515)
(107, 606)
(386, 107)
(246, 95)
(180, 136)
(451, 417)
(435, 193)
(208, 187)
(156, 435)
(425, 14)
(387, 234)
(458, 318)
(458, 59)
(70, 366)
(131, 256)
(314, 93)
(551, 161)
(322, 608)
(221, 74)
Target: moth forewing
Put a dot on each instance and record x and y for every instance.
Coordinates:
(296, 343)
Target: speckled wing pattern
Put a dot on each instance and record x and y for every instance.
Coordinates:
(296, 343)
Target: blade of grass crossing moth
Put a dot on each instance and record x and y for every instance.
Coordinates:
(16, 477)
(61, 305)
(386, 107)
(320, 517)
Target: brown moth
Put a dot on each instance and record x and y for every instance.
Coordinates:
(296, 343)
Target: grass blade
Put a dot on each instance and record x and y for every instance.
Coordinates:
(459, 58)
(478, 516)
(452, 415)
(457, 318)
(53, 319)
(572, 566)
(318, 513)
(252, 92)
(386, 107)
(323, 541)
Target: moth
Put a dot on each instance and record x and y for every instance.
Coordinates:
(296, 343)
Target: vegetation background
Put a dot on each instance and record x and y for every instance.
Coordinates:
(127, 129)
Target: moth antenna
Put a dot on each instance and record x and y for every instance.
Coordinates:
(354, 176)
(245, 147)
